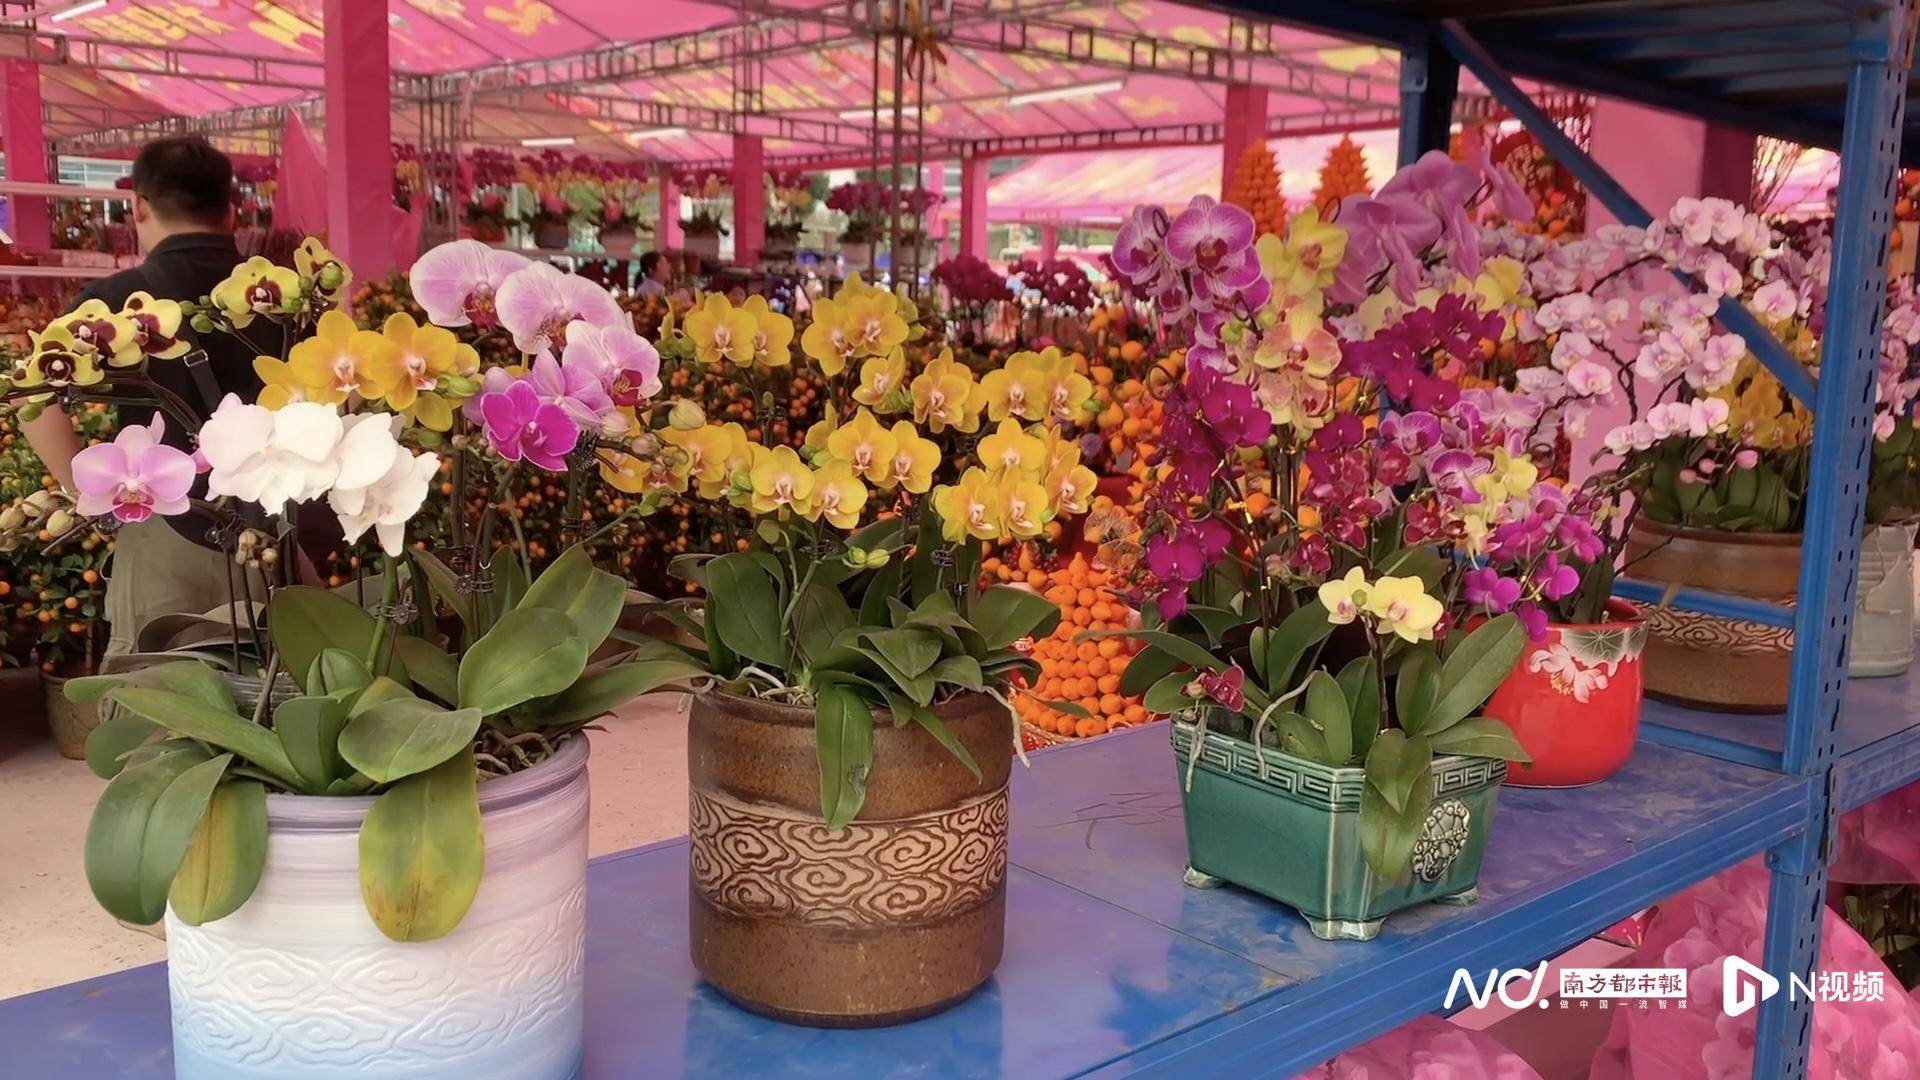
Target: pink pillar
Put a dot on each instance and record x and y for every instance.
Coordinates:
(26, 146)
(749, 198)
(973, 206)
(359, 136)
(1245, 125)
(933, 177)
(1049, 242)
(666, 236)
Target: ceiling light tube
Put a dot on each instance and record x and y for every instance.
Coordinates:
(1062, 93)
(886, 110)
(552, 140)
(656, 133)
(77, 10)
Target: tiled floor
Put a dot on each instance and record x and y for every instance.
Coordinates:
(51, 931)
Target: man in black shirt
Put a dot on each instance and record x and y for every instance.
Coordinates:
(183, 213)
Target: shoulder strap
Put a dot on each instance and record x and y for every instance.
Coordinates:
(167, 284)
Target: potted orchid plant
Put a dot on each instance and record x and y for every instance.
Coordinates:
(862, 674)
(401, 794)
(709, 195)
(1325, 487)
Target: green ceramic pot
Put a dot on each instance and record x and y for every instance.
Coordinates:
(1291, 831)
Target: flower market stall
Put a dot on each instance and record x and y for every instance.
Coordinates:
(1349, 566)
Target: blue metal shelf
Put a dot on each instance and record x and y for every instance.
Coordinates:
(1113, 966)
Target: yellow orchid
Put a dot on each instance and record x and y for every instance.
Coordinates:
(1498, 285)
(1025, 507)
(865, 445)
(972, 507)
(257, 287)
(821, 430)
(114, 338)
(57, 360)
(838, 495)
(945, 396)
(826, 340)
(635, 474)
(881, 379)
(709, 452)
(781, 481)
(335, 362)
(873, 323)
(158, 323)
(1021, 388)
(1010, 449)
(1304, 261)
(314, 263)
(1061, 448)
(914, 459)
(1510, 476)
(1344, 597)
(408, 363)
(1401, 606)
(1068, 393)
(1070, 488)
(720, 331)
(772, 334)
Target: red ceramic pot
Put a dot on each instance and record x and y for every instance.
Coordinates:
(1573, 700)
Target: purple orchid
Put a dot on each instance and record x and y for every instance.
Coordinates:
(522, 427)
(1214, 241)
(625, 363)
(1180, 556)
(457, 282)
(135, 476)
(1140, 249)
(1231, 410)
(1226, 687)
(1488, 588)
(576, 388)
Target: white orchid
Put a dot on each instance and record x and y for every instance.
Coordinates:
(294, 454)
(387, 501)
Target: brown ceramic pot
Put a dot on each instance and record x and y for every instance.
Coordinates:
(1706, 662)
(895, 917)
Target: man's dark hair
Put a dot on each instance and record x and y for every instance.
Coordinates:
(185, 179)
(647, 262)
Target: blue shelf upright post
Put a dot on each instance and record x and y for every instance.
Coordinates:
(1429, 81)
(1879, 53)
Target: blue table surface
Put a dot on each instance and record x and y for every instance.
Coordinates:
(1112, 964)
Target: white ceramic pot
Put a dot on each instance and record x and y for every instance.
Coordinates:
(617, 241)
(705, 245)
(299, 984)
(1883, 605)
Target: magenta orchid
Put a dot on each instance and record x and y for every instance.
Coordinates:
(521, 427)
(134, 477)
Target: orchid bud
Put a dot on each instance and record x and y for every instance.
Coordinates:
(856, 557)
(60, 523)
(201, 324)
(457, 386)
(12, 518)
(331, 277)
(39, 502)
(878, 558)
(686, 416)
(768, 532)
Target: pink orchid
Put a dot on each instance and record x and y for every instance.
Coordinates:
(456, 282)
(537, 303)
(625, 363)
(135, 476)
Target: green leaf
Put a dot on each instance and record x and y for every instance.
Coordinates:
(938, 728)
(307, 620)
(1306, 627)
(422, 852)
(918, 687)
(309, 728)
(109, 744)
(510, 584)
(1475, 669)
(401, 738)
(961, 671)
(1148, 667)
(189, 677)
(843, 728)
(1071, 708)
(1169, 694)
(1360, 681)
(531, 652)
(818, 618)
(1479, 737)
(601, 692)
(881, 587)
(576, 588)
(117, 834)
(196, 719)
(337, 672)
(430, 668)
(1396, 763)
(923, 577)
(1004, 615)
(1325, 707)
(1388, 833)
(1416, 689)
(913, 652)
(1214, 621)
(744, 603)
(223, 862)
(446, 585)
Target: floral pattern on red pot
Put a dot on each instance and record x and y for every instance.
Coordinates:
(1573, 700)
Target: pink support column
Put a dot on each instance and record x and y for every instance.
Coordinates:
(749, 198)
(933, 177)
(26, 146)
(1245, 125)
(1049, 242)
(973, 206)
(666, 235)
(359, 136)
